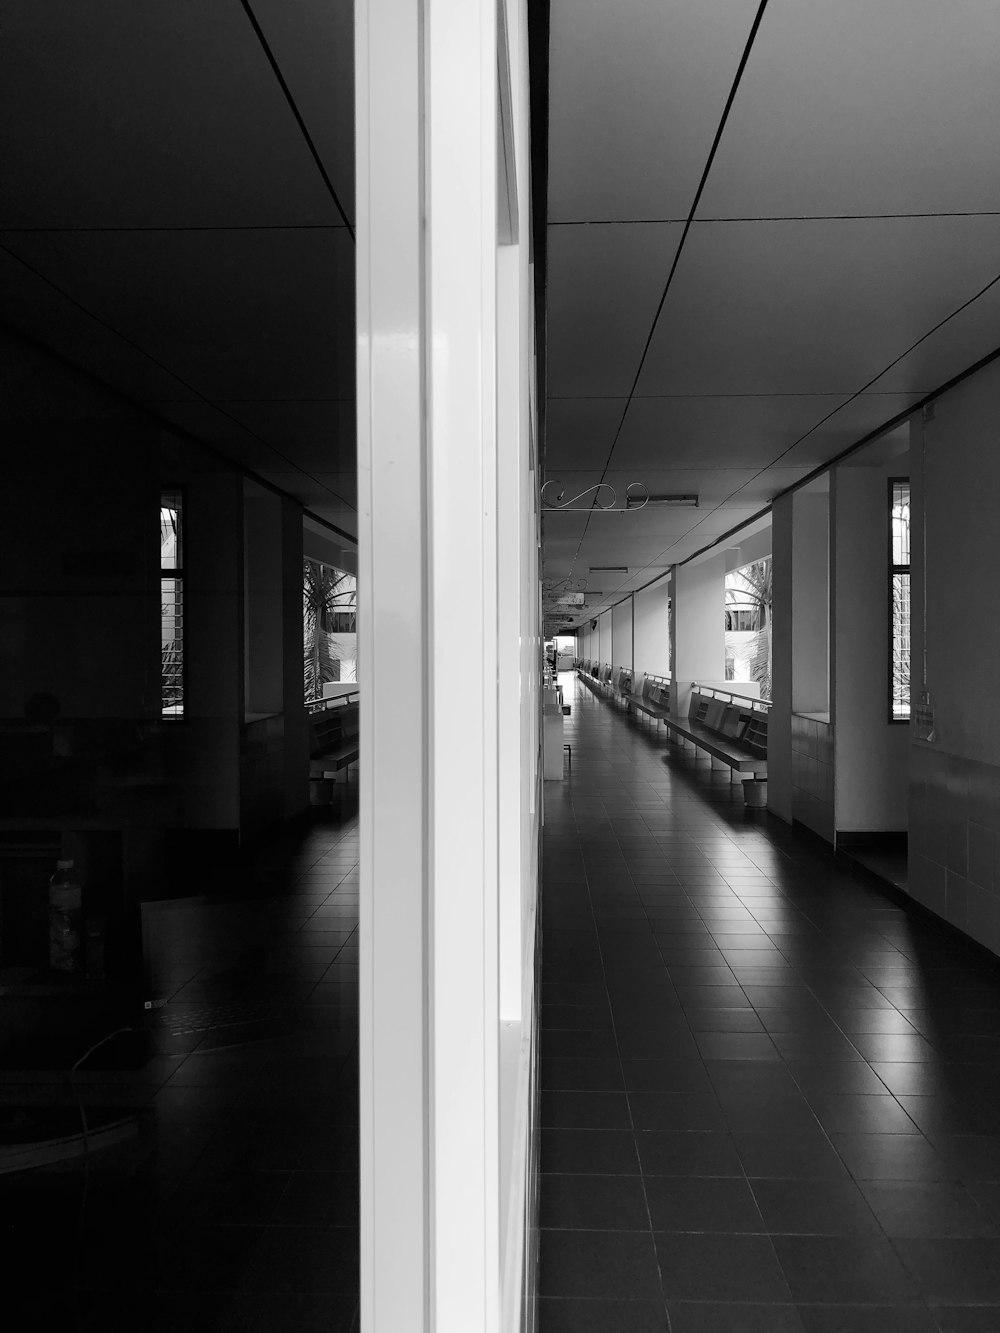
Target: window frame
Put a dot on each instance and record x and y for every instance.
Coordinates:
(173, 497)
(893, 569)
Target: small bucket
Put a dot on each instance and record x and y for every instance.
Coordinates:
(755, 793)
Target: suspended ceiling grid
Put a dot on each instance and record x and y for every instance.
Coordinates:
(176, 218)
(841, 262)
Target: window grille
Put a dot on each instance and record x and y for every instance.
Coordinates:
(899, 599)
(171, 605)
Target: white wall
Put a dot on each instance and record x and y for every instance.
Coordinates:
(698, 627)
(870, 752)
(652, 629)
(811, 599)
(605, 637)
(621, 634)
(779, 726)
(955, 777)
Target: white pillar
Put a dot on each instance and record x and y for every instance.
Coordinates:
(697, 628)
(448, 642)
(779, 724)
(811, 598)
(621, 634)
(652, 629)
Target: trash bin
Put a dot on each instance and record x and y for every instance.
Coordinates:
(755, 793)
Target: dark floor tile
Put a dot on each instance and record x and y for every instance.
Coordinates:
(843, 1269)
(866, 1319)
(607, 1264)
(705, 1153)
(894, 1047)
(595, 1202)
(954, 1271)
(970, 1319)
(589, 1151)
(723, 1020)
(713, 1317)
(665, 1076)
(835, 1076)
(799, 1154)
(263, 1312)
(926, 1209)
(676, 1111)
(590, 1043)
(720, 1268)
(892, 1157)
(702, 1204)
(585, 1110)
(319, 1198)
(814, 1207)
(971, 1156)
(737, 1046)
(568, 1315)
(304, 1260)
(581, 1075)
(230, 1197)
(861, 1113)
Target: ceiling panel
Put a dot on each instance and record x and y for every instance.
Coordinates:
(738, 430)
(861, 107)
(234, 314)
(604, 284)
(851, 423)
(579, 431)
(35, 308)
(811, 307)
(159, 114)
(971, 335)
(636, 90)
(313, 42)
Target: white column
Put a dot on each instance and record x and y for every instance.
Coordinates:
(652, 629)
(604, 629)
(697, 628)
(779, 725)
(621, 634)
(811, 598)
(871, 753)
(448, 639)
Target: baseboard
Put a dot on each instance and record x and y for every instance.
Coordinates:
(868, 840)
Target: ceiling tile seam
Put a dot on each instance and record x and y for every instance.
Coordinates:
(902, 356)
(147, 409)
(760, 471)
(720, 128)
(185, 227)
(777, 217)
(869, 438)
(711, 397)
(272, 61)
(129, 342)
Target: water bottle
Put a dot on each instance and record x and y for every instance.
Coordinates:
(65, 920)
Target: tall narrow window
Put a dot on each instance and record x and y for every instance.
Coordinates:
(899, 593)
(171, 605)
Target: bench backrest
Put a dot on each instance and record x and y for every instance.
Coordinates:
(330, 725)
(732, 721)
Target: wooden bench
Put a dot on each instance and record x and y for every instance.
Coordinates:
(333, 740)
(729, 727)
(652, 698)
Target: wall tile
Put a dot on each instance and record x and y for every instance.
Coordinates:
(981, 854)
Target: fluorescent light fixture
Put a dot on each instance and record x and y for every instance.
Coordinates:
(665, 501)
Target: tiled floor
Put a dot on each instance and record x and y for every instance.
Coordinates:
(233, 1205)
(771, 1095)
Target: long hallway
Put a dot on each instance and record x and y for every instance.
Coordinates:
(770, 1092)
